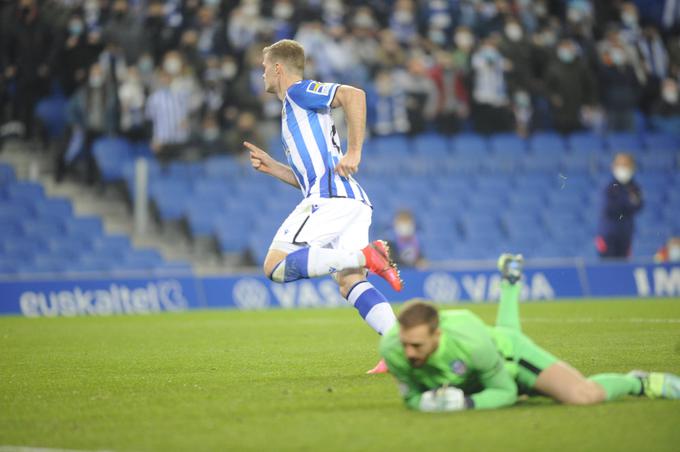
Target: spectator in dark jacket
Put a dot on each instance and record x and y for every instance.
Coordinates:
(28, 55)
(76, 55)
(620, 89)
(570, 87)
(622, 201)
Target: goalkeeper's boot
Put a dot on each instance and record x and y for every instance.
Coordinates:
(380, 368)
(510, 266)
(378, 261)
(658, 385)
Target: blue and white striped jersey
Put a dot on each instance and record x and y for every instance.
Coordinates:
(311, 142)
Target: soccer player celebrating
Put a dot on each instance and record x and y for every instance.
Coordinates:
(327, 233)
(451, 360)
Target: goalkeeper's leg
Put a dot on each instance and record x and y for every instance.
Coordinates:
(510, 267)
(567, 385)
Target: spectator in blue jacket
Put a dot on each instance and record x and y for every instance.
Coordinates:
(622, 201)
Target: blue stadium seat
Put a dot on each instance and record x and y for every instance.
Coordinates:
(16, 211)
(111, 153)
(42, 229)
(659, 159)
(542, 162)
(7, 175)
(467, 145)
(393, 145)
(10, 226)
(52, 113)
(25, 191)
(222, 167)
(547, 143)
(83, 227)
(183, 172)
(526, 201)
(586, 142)
(624, 142)
(54, 207)
(580, 163)
(431, 145)
(507, 144)
(230, 233)
(661, 141)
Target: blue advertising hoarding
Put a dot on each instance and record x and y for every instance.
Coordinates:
(108, 295)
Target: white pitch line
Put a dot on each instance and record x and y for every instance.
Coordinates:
(593, 320)
(43, 449)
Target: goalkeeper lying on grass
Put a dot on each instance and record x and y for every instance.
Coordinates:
(452, 361)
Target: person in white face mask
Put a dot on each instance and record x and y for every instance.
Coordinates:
(670, 252)
(622, 201)
(405, 243)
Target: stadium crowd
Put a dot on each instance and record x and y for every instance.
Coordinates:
(186, 74)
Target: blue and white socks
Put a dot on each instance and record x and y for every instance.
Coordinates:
(314, 261)
(372, 306)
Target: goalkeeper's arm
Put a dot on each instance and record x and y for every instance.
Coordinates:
(500, 388)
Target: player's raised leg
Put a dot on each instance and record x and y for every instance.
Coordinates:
(314, 261)
(510, 266)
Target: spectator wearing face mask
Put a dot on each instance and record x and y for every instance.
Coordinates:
(670, 252)
(405, 243)
(453, 106)
(619, 89)
(132, 97)
(491, 104)
(387, 113)
(665, 114)
(168, 109)
(622, 200)
(125, 30)
(654, 59)
(403, 22)
(516, 49)
(464, 42)
(570, 88)
(76, 55)
(91, 113)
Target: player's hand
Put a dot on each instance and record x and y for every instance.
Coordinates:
(348, 165)
(442, 399)
(260, 160)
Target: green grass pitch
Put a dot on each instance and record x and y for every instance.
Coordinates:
(294, 380)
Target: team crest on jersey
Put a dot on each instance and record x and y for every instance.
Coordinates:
(458, 367)
(319, 88)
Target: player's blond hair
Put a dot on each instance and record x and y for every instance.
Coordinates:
(417, 313)
(287, 52)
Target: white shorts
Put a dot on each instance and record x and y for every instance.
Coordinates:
(338, 223)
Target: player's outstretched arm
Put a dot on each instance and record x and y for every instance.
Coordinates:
(353, 101)
(264, 163)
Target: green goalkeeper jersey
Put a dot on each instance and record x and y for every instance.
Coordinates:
(476, 358)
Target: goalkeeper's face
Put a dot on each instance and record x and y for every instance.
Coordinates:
(419, 343)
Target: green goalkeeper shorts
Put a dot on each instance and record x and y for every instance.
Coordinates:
(523, 358)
